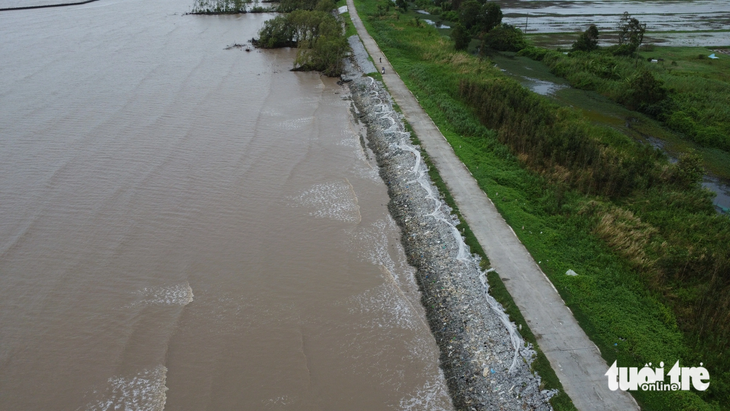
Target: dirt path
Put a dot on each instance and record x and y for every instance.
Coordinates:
(575, 359)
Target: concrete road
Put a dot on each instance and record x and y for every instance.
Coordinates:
(575, 359)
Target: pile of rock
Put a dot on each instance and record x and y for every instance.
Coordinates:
(485, 361)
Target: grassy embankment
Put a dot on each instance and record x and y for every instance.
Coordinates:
(645, 240)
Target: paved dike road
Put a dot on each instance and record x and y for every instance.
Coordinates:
(575, 359)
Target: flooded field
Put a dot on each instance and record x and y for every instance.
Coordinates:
(186, 227)
(695, 19)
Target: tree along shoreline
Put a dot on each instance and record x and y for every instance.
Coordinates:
(314, 29)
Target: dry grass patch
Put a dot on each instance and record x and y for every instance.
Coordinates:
(623, 232)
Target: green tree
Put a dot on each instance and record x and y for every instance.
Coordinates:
(480, 18)
(646, 93)
(402, 4)
(469, 14)
(461, 37)
(490, 16)
(630, 32)
(318, 35)
(277, 32)
(505, 37)
(325, 5)
(588, 40)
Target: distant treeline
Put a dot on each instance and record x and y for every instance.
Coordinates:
(313, 29)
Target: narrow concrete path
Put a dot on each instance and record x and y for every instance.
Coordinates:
(575, 359)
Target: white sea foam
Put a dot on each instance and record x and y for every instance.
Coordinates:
(179, 294)
(387, 308)
(363, 167)
(145, 391)
(432, 396)
(397, 300)
(335, 200)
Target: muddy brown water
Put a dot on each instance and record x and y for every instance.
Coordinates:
(185, 227)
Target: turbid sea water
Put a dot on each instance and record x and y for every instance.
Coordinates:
(189, 227)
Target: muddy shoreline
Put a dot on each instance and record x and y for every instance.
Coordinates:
(485, 361)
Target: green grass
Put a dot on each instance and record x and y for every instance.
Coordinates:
(627, 319)
(349, 27)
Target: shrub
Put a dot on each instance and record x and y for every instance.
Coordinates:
(450, 16)
(461, 37)
(645, 93)
(588, 40)
(505, 37)
(277, 32)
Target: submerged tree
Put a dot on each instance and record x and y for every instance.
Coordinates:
(588, 40)
(317, 34)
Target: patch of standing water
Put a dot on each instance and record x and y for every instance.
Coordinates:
(431, 22)
(543, 87)
(722, 199)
